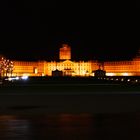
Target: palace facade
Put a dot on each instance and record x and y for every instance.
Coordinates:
(75, 68)
(123, 68)
(45, 68)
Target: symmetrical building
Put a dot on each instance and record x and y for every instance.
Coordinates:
(45, 68)
(75, 68)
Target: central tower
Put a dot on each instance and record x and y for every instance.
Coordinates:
(65, 52)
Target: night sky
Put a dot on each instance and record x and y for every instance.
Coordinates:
(33, 30)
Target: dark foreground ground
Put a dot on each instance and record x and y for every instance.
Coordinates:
(69, 109)
(69, 96)
(105, 103)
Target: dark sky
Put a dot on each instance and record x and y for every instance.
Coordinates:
(95, 30)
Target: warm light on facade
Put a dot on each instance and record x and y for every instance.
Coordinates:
(83, 73)
(36, 70)
(92, 74)
(65, 52)
(73, 74)
(125, 74)
(75, 68)
(26, 74)
(110, 74)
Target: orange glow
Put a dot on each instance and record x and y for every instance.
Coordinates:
(92, 74)
(110, 74)
(36, 71)
(80, 68)
(65, 52)
(25, 74)
(73, 68)
(125, 74)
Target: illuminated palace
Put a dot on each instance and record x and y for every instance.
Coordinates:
(65, 65)
(74, 68)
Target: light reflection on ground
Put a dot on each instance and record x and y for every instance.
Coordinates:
(64, 126)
